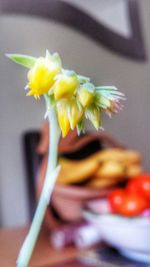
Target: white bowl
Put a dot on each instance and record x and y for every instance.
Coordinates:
(131, 236)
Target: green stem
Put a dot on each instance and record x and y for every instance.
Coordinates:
(30, 241)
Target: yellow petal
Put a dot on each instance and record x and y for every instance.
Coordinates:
(42, 75)
(62, 115)
(65, 86)
(85, 95)
(75, 112)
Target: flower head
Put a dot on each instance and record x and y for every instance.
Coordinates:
(73, 96)
(42, 75)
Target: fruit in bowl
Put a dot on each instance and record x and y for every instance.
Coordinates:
(132, 200)
(88, 178)
(125, 224)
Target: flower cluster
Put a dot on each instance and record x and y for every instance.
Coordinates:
(73, 95)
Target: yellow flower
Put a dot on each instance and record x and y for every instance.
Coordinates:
(42, 75)
(69, 114)
(72, 95)
(62, 115)
(85, 94)
(75, 112)
(66, 85)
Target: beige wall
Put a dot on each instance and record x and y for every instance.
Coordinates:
(18, 113)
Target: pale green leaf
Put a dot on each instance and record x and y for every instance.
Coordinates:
(24, 60)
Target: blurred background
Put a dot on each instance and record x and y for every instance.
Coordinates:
(110, 43)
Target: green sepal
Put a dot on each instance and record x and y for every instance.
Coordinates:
(50, 103)
(83, 79)
(80, 127)
(57, 58)
(102, 101)
(53, 57)
(69, 73)
(93, 113)
(110, 92)
(88, 87)
(106, 88)
(24, 60)
(48, 54)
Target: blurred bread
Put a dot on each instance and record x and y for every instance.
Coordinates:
(111, 169)
(117, 154)
(77, 172)
(100, 183)
(109, 166)
(133, 170)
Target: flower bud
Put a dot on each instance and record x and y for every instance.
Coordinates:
(75, 112)
(85, 94)
(42, 75)
(93, 114)
(62, 115)
(66, 85)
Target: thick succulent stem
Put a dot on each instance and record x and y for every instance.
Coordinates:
(51, 175)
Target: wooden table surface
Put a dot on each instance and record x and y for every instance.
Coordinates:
(44, 255)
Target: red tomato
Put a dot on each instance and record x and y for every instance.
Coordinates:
(144, 186)
(140, 185)
(133, 205)
(133, 186)
(116, 198)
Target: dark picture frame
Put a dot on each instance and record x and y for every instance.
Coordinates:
(132, 47)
